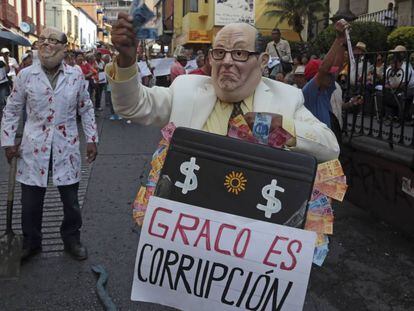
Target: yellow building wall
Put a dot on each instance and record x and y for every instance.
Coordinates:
(62, 6)
(199, 28)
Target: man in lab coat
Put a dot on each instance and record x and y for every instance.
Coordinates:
(53, 93)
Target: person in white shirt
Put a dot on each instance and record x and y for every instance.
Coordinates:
(398, 78)
(389, 19)
(4, 81)
(13, 64)
(280, 49)
(101, 81)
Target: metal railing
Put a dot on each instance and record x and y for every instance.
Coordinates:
(386, 17)
(385, 80)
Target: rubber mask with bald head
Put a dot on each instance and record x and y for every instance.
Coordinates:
(233, 80)
(52, 48)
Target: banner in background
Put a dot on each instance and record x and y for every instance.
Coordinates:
(161, 66)
(233, 11)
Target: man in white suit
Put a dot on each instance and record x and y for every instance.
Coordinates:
(206, 103)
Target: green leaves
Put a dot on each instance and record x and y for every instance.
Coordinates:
(373, 34)
(295, 12)
(402, 36)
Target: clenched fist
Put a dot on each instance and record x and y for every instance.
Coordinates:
(123, 38)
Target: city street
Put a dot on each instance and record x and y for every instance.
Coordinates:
(370, 266)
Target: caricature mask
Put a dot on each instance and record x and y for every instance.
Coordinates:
(235, 80)
(52, 47)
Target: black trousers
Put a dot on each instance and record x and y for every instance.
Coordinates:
(32, 212)
(99, 87)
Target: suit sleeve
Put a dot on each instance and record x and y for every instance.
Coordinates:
(12, 112)
(133, 101)
(312, 136)
(87, 113)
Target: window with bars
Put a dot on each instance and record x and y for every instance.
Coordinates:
(76, 20)
(190, 6)
(69, 20)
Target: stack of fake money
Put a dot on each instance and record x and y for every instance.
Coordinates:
(330, 183)
(140, 203)
(261, 132)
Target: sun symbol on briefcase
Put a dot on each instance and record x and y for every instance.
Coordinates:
(235, 182)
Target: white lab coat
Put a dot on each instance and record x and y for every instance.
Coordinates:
(50, 126)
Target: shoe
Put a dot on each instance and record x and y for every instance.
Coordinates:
(128, 121)
(113, 117)
(30, 252)
(76, 250)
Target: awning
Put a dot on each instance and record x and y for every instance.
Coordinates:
(15, 38)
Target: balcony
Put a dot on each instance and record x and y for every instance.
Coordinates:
(117, 8)
(386, 17)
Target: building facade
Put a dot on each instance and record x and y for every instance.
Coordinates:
(96, 12)
(405, 12)
(64, 16)
(87, 31)
(111, 8)
(14, 12)
(361, 7)
(196, 22)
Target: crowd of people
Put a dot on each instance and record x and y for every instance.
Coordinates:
(90, 63)
(324, 91)
(236, 77)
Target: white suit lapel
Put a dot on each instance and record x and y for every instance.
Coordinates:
(263, 99)
(203, 104)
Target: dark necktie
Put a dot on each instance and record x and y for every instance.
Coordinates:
(236, 110)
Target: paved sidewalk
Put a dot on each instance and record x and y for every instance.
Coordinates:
(369, 267)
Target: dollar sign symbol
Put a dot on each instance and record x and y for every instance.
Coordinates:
(190, 181)
(273, 204)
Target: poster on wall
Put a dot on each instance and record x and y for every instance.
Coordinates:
(233, 11)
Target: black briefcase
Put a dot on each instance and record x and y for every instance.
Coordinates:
(237, 177)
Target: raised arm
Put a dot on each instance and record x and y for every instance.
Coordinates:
(335, 56)
(314, 137)
(131, 100)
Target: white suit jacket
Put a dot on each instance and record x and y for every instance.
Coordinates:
(189, 101)
(50, 127)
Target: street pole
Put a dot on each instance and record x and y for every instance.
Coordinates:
(344, 12)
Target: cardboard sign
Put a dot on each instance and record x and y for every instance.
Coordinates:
(102, 77)
(143, 69)
(193, 258)
(162, 66)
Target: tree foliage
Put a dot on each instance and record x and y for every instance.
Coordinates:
(295, 12)
(402, 36)
(373, 34)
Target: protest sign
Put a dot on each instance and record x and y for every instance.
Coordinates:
(161, 66)
(143, 69)
(193, 258)
(102, 77)
(191, 65)
(234, 11)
